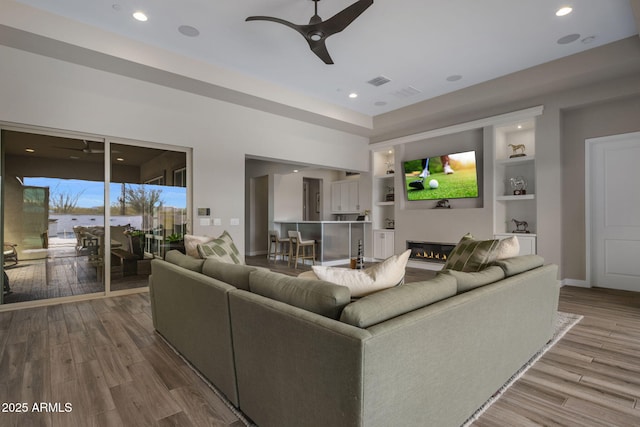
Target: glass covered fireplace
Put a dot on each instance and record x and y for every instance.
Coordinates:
(429, 251)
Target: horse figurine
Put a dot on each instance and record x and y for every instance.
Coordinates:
(521, 226)
(515, 148)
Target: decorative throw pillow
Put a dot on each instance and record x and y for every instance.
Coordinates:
(191, 243)
(387, 274)
(471, 255)
(222, 249)
(508, 248)
(358, 281)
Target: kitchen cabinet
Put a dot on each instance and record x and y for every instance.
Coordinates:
(345, 196)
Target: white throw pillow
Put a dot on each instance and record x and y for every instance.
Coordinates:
(191, 243)
(508, 248)
(386, 274)
(390, 271)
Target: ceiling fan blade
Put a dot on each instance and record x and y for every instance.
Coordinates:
(341, 20)
(316, 32)
(320, 49)
(69, 148)
(277, 20)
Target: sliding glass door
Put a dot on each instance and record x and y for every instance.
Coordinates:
(59, 238)
(148, 206)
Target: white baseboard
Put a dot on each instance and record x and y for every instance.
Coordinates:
(575, 282)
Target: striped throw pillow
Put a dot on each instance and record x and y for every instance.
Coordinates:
(222, 249)
(472, 255)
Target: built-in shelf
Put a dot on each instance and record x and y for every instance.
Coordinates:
(507, 234)
(522, 197)
(509, 208)
(383, 198)
(516, 160)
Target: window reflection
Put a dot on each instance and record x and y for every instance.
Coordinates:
(53, 192)
(55, 240)
(144, 197)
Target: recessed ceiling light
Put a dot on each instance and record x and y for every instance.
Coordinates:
(588, 39)
(454, 78)
(563, 11)
(140, 16)
(296, 171)
(189, 31)
(353, 95)
(568, 39)
(519, 126)
(74, 157)
(120, 159)
(380, 103)
(29, 150)
(116, 6)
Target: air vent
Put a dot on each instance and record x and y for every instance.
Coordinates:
(406, 92)
(379, 81)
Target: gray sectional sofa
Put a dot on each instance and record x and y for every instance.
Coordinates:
(293, 352)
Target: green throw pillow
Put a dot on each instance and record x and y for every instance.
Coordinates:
(222, 249)
(472, 255)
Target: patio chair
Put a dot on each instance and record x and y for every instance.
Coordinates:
(10, 253)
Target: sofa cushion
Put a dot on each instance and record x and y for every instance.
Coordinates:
(471, 255)
(467, 281)
(390, 303)
(234, 274)
(221, 248)
(191, 243)
(181, 260)
(519, 264)
(383, 275)
(317, 296)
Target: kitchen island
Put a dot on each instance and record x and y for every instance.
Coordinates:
(336, 241)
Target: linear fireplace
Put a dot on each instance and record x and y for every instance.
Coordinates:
(429, 251)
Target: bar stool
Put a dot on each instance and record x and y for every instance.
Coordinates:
(296, 242)
(280, 246)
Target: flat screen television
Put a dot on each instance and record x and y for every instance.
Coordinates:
(450, 176)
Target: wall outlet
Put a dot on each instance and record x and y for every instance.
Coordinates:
(234, 221)
(217, 221)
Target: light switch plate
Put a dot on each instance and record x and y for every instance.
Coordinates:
(217, 221)
(234, 221)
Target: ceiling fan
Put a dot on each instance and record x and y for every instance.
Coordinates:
(317, 31)
(86, 149)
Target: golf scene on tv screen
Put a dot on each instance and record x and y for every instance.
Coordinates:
(452, 176)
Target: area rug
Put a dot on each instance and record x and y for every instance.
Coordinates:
(563, 323)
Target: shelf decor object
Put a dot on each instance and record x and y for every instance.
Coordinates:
(517, 150)
(521, 226)
(519, 185)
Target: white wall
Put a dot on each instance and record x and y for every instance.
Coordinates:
(41, 91)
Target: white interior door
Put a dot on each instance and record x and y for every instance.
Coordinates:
(613, 203)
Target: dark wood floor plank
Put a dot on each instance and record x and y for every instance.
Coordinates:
(94, 389)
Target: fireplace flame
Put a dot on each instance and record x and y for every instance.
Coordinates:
(431, 255)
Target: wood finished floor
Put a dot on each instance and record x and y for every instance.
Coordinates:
(104, 358)
(64, 274)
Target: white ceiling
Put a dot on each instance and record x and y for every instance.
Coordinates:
(417, 44)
